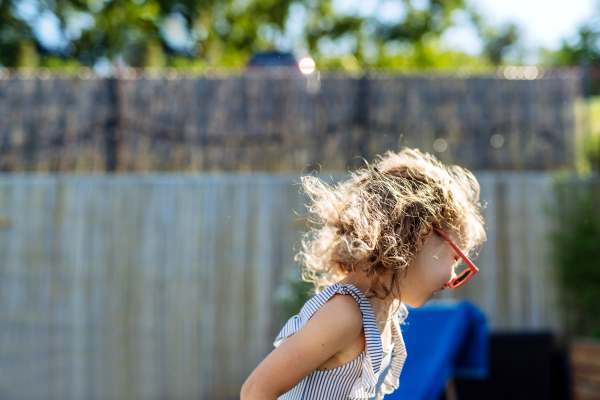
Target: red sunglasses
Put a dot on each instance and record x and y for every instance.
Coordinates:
(465, 275)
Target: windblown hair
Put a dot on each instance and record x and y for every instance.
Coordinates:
(372, 221)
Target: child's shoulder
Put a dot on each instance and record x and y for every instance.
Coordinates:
(345, 305)
(337, 308)
(340, 312)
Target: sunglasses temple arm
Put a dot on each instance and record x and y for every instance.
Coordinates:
(465, 259)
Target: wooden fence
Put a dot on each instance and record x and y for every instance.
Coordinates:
(271, 122)
(163, 286)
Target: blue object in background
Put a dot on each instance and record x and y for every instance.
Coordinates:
(273, 59)
(444, 338)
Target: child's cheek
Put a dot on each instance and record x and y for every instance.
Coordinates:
(448, 272)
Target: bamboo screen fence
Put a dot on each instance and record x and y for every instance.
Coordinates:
(282, 122)
(164, 286)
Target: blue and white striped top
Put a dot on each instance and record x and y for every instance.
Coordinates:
(357, 379)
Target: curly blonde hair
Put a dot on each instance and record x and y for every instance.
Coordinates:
(372, 221)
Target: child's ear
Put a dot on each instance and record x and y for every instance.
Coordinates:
(426, 234)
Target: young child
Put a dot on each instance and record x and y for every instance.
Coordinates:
(390, 235)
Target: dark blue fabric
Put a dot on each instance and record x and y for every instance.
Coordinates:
(444, 338)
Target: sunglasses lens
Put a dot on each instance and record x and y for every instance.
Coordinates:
(462, 277)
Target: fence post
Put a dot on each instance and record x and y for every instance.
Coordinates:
(586, 81)
(112, 125)
(361, 118)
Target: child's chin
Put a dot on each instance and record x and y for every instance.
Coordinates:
(420, 303)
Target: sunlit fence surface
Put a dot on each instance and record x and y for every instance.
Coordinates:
(164, 286)
(511, 120)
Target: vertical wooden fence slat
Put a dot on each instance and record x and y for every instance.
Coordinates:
(514, 239)
(238, 306)
(207, 283)
(534, 234)
(549, 297)
(78, 199)
(487, 259)
(502, 244)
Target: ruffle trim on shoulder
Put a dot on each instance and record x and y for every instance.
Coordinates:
(402, 313)
(310, 307)
(392, 379)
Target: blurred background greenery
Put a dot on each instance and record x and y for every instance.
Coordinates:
(576, 253)
(225, 33)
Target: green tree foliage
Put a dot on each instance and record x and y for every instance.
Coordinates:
(121, 27)
(226, 32)
(15, 35)
(588, 141)
(412, 41)
(501, 43)
(293, 294)
(583, 51)
(220, 32)
(576, 249)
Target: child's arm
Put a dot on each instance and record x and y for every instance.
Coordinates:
(332, 328)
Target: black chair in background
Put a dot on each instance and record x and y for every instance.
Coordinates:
(522, 366)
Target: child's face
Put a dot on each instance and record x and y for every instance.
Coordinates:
(433, 267)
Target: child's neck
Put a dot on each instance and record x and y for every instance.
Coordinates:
(362, 283)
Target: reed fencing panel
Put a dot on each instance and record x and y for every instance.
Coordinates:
(282, 122)
(163, 286)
